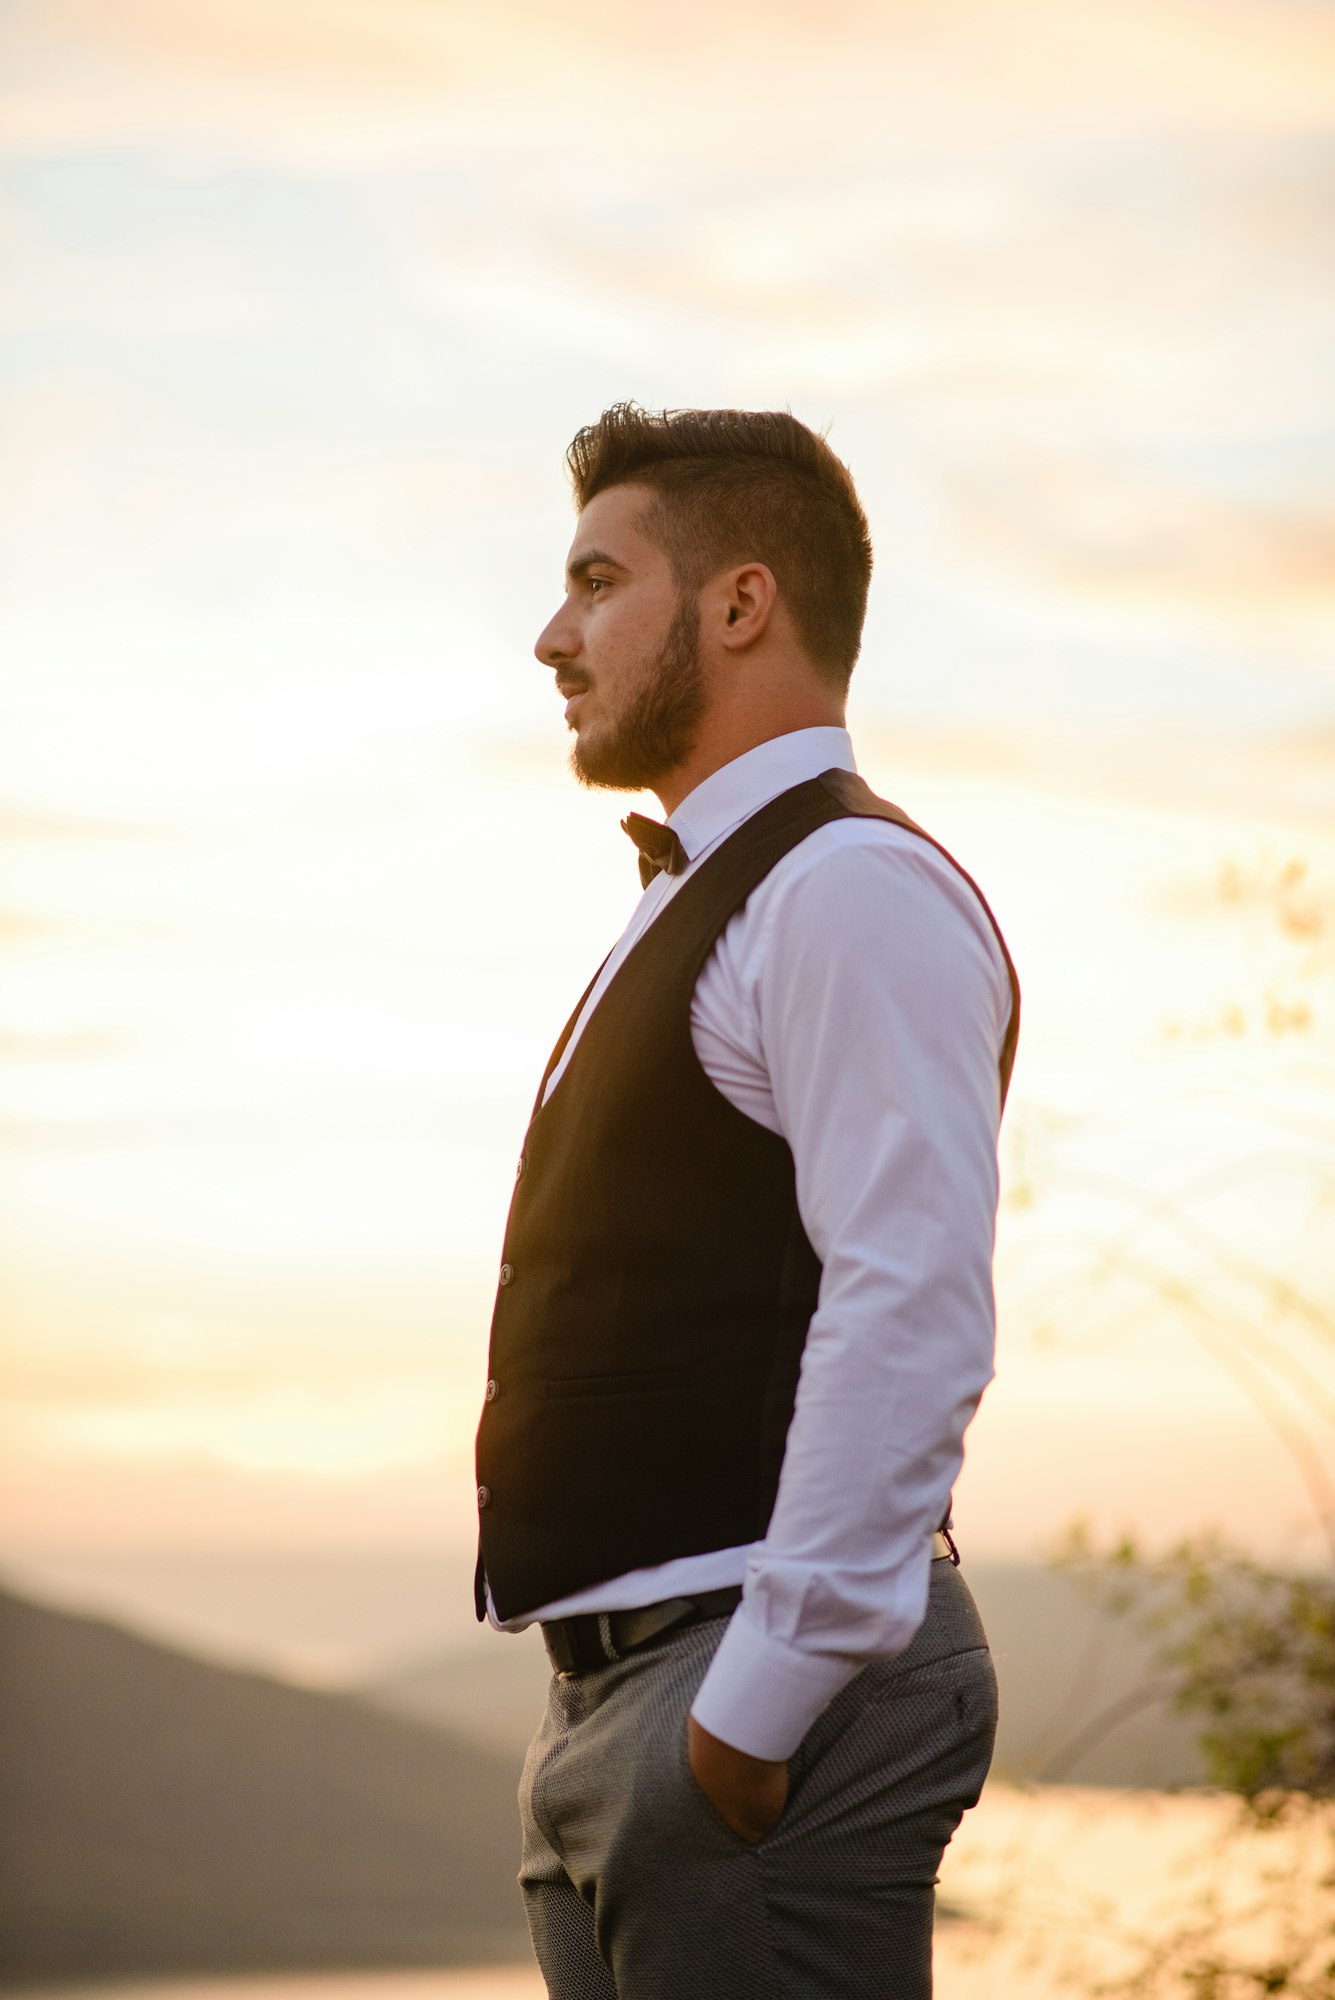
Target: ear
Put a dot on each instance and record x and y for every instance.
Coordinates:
(746, 601)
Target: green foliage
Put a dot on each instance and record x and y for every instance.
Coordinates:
(1248, 1649)
(1244, 1648)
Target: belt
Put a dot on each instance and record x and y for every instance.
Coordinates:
(589, 1639)
(593, 1638)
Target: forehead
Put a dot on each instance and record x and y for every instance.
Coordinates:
(611, 526)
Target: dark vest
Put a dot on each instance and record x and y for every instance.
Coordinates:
(657, 1282)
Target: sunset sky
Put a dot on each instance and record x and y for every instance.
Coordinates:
(301, 305)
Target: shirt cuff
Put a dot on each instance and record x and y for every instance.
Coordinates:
(762, 1696)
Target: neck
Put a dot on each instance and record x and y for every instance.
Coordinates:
(718, 746)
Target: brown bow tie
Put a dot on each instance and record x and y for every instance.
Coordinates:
(660, 849)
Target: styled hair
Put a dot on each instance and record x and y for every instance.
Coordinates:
(735, 486)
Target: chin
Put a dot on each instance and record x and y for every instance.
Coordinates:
(597, 765)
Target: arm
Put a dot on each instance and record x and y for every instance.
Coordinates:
(881, 1000)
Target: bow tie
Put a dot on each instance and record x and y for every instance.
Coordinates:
(660, 849)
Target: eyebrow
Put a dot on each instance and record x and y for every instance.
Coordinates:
(577, 570)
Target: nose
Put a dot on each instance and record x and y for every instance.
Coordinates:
(558, 641)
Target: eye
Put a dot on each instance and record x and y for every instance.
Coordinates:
(597, 583)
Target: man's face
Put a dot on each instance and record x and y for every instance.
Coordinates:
(625, 649)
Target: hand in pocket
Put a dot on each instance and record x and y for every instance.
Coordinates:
(748, 1793)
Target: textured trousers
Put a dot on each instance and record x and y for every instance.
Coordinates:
(636, 1889)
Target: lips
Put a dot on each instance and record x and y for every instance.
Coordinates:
(574, 692)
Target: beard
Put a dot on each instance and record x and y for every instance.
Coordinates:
(656, 731)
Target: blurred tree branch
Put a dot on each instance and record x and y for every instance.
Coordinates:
(1248, 1649)
(1244, 1647)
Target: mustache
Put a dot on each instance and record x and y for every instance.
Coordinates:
(568, 684)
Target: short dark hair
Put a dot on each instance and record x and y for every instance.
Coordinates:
(735, 486)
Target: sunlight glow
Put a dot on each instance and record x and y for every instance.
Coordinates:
(295, 889)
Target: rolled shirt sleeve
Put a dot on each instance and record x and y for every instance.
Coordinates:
(880, 998)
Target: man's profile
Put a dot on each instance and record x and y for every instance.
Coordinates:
(745, 1311)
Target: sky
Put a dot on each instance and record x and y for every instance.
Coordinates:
(301, 305)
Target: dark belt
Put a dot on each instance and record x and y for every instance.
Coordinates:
(593, 1638)
(589, 1639)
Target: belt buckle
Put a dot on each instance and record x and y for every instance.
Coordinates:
(561, 1653)
(570, 1643)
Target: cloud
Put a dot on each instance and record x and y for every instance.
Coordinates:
(332, 80)
(1279, 780)
(1128, 535)
(71, 1046)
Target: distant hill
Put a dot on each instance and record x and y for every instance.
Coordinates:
(158, 1814)
(1081, 1700)
(1072, 1681)
(491, 1690)
(162, 1815)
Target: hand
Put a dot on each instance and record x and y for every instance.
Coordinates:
(748, 1793)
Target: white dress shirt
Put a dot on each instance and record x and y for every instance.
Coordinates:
(856, 1004)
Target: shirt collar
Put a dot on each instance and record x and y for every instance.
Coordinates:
(736, 790)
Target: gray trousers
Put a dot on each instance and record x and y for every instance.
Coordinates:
(636, 1889)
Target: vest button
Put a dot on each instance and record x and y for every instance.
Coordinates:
(519, 1170)
(507, 1272)
(491, 1390)
(483, 1496)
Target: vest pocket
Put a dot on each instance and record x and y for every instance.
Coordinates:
(630, 1382)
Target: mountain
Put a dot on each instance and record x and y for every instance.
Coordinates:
(1078, 1699)
(1082, 1701)
(491, 1690)
(162, 1815)
(158, 1814)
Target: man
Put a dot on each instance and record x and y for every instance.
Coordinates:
(745, 1309)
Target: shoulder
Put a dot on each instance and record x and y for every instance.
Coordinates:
(869, 875)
